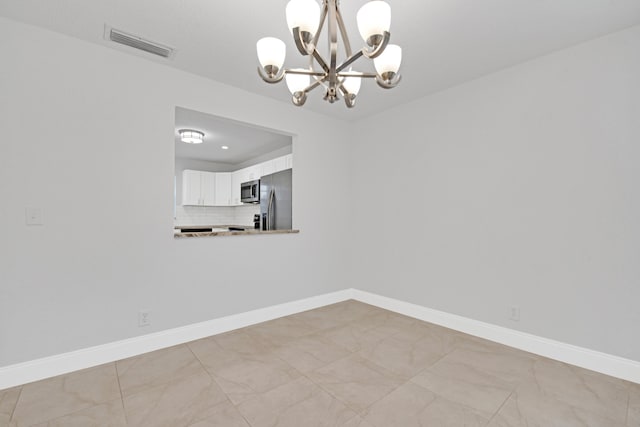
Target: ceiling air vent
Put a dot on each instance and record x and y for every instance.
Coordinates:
(138, 42)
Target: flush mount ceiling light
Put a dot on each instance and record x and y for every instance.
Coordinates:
(191, 136)
(306, 21)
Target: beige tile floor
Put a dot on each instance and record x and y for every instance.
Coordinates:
(344, 365)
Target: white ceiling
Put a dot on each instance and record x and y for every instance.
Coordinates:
(445, 42)
(245, 142)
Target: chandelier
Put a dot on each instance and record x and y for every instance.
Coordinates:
(306, 21)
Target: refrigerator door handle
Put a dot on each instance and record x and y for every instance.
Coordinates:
(270, 217)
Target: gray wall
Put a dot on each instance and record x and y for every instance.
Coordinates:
(519, 188)
(107, 247)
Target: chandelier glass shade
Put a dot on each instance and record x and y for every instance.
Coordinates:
(306, 20)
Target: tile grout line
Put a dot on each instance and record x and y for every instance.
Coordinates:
(13, 411)
(305, 374)
(64, 378)
(347, 404)
(447, 399)
(124, 410)
(47, 421)
(331, 394)
(357, 353)
(408, 380)
(455, 348)
(626, 418)
(384, 396)
(216, 382)
(502, 405)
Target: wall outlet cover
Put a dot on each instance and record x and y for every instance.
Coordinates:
(34, 216)
(144, 318)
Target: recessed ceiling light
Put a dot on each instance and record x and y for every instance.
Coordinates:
(191, 136)
(224, 147)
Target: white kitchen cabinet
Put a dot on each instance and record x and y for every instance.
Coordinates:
(280, 164)
(276, 165)
(237, 178)
(191, 186)
(268, 167)
(198, 188)
(254, 172)
(208, 188)
(223, 189)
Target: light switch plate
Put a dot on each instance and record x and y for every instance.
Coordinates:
(515, 313)
(34, 216)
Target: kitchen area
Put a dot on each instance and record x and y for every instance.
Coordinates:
(230, 178)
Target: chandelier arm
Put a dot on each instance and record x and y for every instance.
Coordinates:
(356, 74)
(299, 98)
(350, 101)
(312, 86)
(343, 33)
(300, 44)
(305, 72)
(316, 55)
(378, 49)
(323, 17)
(349, 98)
(333, 48)
(388, 85)
(319, 77)
(353, 58)
(275, 79)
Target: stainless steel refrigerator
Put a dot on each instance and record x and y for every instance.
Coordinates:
(275, 201)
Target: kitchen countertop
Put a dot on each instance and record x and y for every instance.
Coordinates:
(205, 233)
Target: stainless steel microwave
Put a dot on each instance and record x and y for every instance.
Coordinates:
(250, 191)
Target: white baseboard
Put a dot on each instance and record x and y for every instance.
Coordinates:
(604, 363)
(35, 370)
(46, 367)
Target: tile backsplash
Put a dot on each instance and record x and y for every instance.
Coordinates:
(216, 215)
(244, 214)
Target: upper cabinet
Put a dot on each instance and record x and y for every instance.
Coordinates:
(198, 188)
(191, 186)
(201, 188)
(276, 165)
(223, 189)
(236, 179)
(208, 188)
(280, 164)
(253, 172)
(268, 167)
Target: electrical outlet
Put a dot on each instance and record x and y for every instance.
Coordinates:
(144, 318)
(515, 314)
(34, 216)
